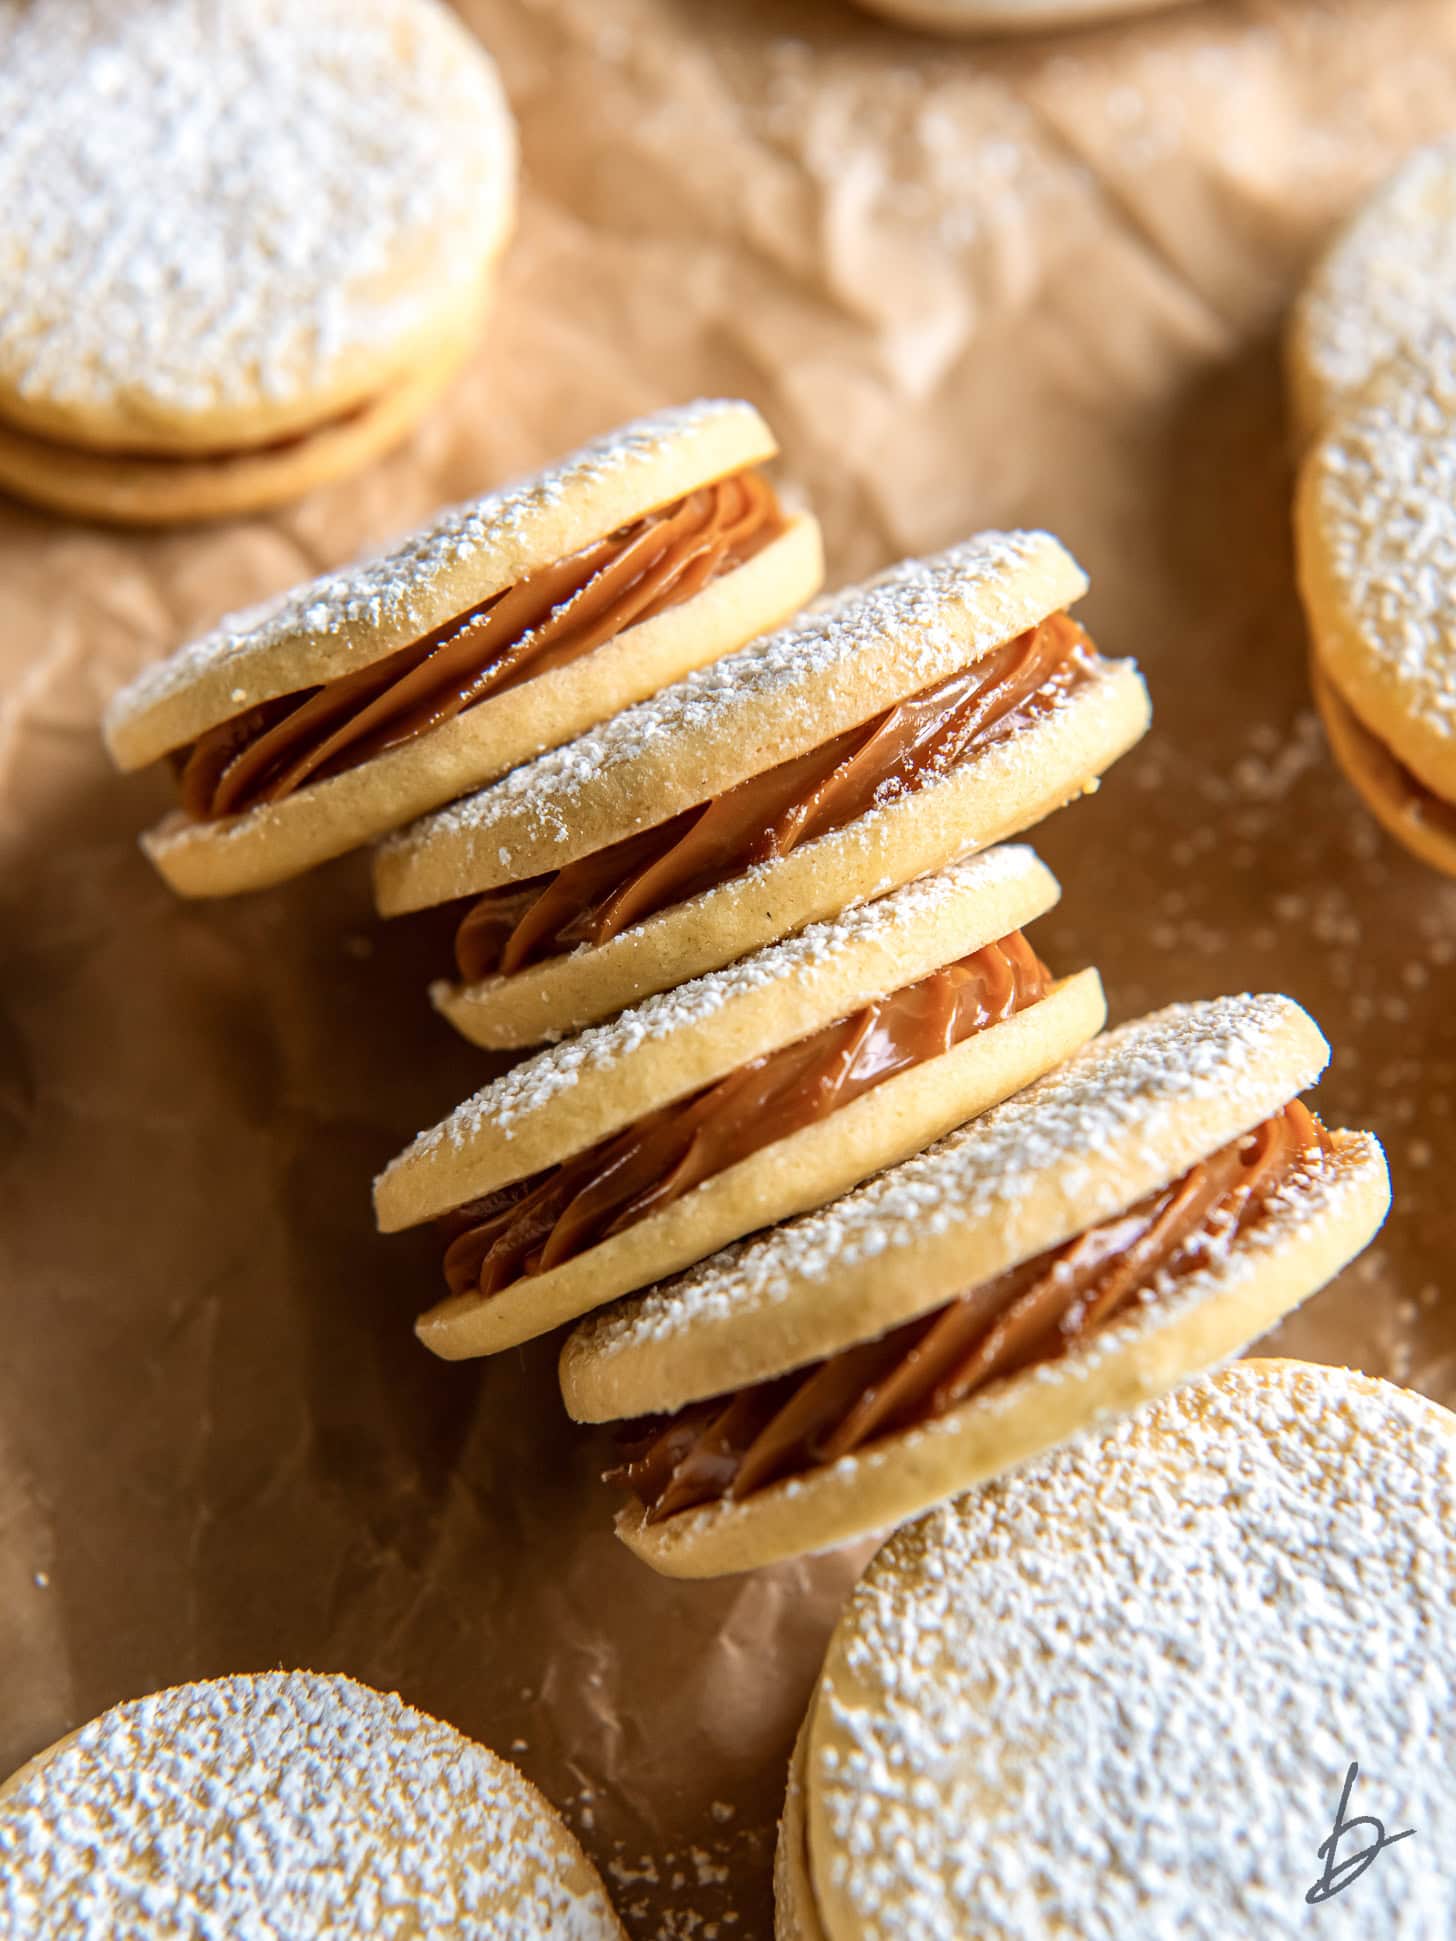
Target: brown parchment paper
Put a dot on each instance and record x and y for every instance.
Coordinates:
(970, 285)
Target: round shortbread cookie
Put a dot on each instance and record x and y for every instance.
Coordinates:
(1387, 280)
(851, 656)
(285, 1803)
(1131, 1112)
(574, 1094)
(1375, 529)
(347, 621)
(1403, 807)
(225, 224)
(823, 975)
(1121, 1692)
(1009, 16)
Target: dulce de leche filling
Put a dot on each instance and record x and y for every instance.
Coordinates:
(546, 620)
(727, 1448)
(894, 753)
(564, 1211)
(1415, 798)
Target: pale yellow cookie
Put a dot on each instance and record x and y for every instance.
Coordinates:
(841, 665)
(1121, 1692)
(285, 1803)
(1009, 16)
(248, 241)
(1375, 530)
(578, 1097)
(796, 1918)
(1386, 280)
(1129, 1117)
(684, 483)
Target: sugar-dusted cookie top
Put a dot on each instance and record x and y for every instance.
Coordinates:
(1388, 277)
(1376, 531)
(224, 217)
(286, 1803)
(1120, 1691)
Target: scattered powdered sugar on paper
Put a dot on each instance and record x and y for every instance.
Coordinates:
(207, 200)
(284, 1805)
(1385, 480)
(912, 604)
(533, 1084)
(386, 589)
(1121, 1086)
(1117, 1692)
(1389, 277)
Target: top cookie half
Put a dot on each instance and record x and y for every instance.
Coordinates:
(931, 712)
(223, 223)
(504, 627)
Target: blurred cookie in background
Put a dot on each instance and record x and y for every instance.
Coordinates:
(1008, 16)
(243, 245)
(1375, 539)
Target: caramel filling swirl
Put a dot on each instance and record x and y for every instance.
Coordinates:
(894, 753)
(569, 1208)
(725, 1449)
(546, 620)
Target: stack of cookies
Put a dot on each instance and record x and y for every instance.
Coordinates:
(850, 1204)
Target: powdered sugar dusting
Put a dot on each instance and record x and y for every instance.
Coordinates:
(205, 199)
(1385, 480)
(535, 1083)
(387, 590)
(912, 605)
(286, 1804)
(1118, 1691)
(1120, 1089)
(1389, 278)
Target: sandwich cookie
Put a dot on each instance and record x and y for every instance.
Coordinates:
(243, 244)
(508, 625)
(1386, 281)
(942, 707)
(1133, 1217)
(1008, 16)
(1375, 532)
(1191, 1676)
(627, 1153)
(286, 1803)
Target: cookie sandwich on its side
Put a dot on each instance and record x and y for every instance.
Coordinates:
(940, 708)
(506, 626)
(749, 1094)
(1134, 1217)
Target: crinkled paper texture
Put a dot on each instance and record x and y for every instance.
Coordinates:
(970, 285)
